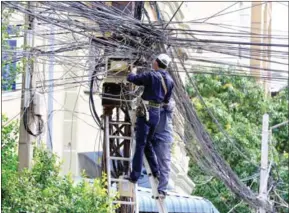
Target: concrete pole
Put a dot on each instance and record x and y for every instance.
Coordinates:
(49, 141)
(264, 161)
(25, 149)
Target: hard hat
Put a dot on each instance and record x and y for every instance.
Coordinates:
(165, 59)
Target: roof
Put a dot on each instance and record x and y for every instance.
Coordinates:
(175, 203)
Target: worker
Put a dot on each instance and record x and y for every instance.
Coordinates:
(161, 143)
(158, 86)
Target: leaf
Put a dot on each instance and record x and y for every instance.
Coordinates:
(43, 189)
(238, 103)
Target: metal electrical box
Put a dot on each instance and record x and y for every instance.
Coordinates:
(111, 94)
(117, 68)
(114, 83)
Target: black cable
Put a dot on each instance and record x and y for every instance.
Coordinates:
(219, 12)
(132, 31)
(91, 99)
(174, 15)
(225, 42)
(26, 123)
(230, 12)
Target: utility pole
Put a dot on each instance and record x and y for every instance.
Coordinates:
(266, 134)
(25, 149)
(49, 140)
(264, 161)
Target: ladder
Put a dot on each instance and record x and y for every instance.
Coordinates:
(160, 202)
(132, 188)
(120, 180)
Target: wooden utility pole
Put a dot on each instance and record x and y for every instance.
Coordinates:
(264, 161)
(25, 149)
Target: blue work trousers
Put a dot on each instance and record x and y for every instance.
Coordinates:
(162, 151)
(144, 133)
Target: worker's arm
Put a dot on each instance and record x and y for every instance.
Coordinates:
(139, 79)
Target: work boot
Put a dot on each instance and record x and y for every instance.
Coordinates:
(162, 194)
(157, 176)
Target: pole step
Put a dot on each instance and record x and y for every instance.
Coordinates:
(119, 158)
(119, 180)
(120, 122)
(123, 202)
(120, 137)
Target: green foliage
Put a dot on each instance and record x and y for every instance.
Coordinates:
(280, 140)
(9, 150)
(42, 189)
(278, 109)
(238, 103)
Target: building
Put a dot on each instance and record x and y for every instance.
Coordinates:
(69, 128)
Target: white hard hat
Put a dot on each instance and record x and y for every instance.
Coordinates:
(165, 59)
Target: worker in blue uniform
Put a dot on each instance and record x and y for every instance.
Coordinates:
(158, 86)
(161, 143)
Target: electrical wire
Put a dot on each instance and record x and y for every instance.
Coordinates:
(130, 36)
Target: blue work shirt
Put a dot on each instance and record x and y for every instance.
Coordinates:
(164, 129)
(152, 82)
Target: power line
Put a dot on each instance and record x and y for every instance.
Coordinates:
(174, 15)
(131, 37)
(220, 12)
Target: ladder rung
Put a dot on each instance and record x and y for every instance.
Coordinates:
(120, 137)
(119, 122)
(119, 158)
(123, 202)
(119, 180)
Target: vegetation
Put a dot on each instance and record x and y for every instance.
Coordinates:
(43, 189)
(239, 103)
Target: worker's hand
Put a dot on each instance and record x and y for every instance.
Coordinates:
(133, 70)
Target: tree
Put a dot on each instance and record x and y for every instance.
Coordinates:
(278, 108)
(9, 150)
(43, 189)
(238, 103)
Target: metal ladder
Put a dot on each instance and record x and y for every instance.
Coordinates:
(160, 202)
(153, 181)
(120, 180)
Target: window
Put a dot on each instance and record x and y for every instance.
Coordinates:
(9, 69)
